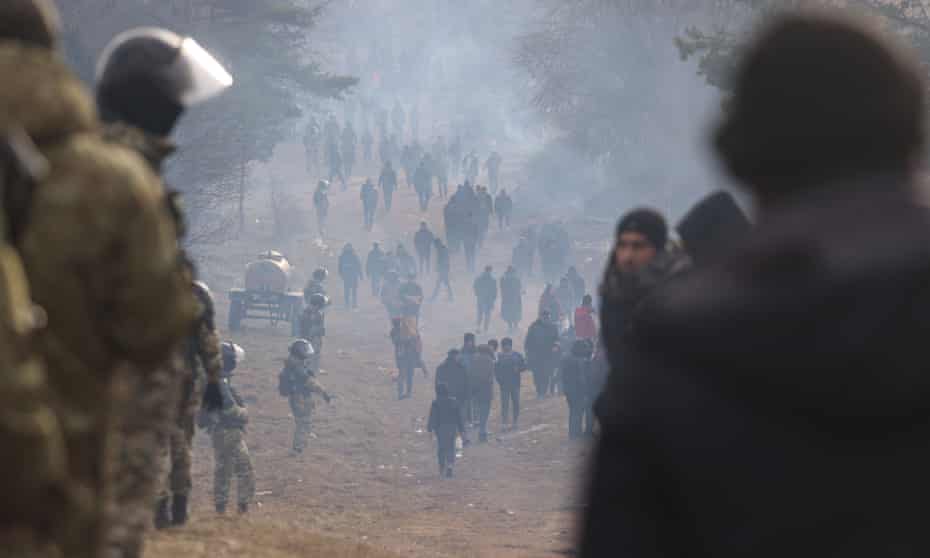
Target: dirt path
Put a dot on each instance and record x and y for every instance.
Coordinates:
(370, 474)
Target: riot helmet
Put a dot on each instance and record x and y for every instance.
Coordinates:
(148, 76)
(35, 22)
(302, 349)
(323, 185)
(232, 355)
(320, 274)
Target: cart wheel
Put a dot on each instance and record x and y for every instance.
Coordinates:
(235, 315)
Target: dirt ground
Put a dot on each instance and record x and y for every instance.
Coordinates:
(369, 475)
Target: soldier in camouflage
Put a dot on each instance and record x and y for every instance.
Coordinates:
(298, 384)
(313, 328)
(227, 431)
(316, 284)
(108, 317)
(146, 79)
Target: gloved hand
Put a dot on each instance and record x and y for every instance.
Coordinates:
(212, 397)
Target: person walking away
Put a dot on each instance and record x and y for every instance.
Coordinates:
(350, 270)
(442, 270)
(411, 298)
(297, 383)
(375, 268)
(493, 165)
(390, 294)
(423, 243)
(387, 181)
(585, 325)
(226, 428)
(369, 196)
(481, 381)
(467, 355)
(541, 346)
(454, 376)
(321, 205)
(576, 376)
(407, 354)
(313, 327)
(507, 370)
(511, 298)
(503, 208)
(445, 421)
(485, 288)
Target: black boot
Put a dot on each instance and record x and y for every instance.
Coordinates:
(179, 510)
(163, 513)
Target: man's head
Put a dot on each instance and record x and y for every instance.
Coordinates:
(506, 344)
(35, 22)
(641, 235)
(817, 100)
(493, 344)
(545, 315)
(488, 269)
(375, 246)
(469, 341)
(587, 301)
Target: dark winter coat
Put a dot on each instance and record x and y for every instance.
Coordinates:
(775, 403)
(511, 297)
(423, 241)
(481, 376)
(444, 417)
(350, 267)
(452, 373)
(576, 375)
(541, 340)
(375, 265)
(508, 367)
(486, 290)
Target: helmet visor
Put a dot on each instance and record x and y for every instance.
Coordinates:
(207, 78)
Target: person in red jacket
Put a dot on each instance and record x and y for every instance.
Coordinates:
(585, 326)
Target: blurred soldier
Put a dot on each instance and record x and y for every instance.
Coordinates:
(486, 295)
(445, 420)
(126, 263)
(423, 242)
(481, 382)
(541, 346)
(316, 284)
(485, 211)
(297, 383)
(349, 145)
(442, 270)
(336, 165)
(453, 375)
(138, 60)
(423, 183)
(503, 208)
(375, 268)
(201, 360)
(369, 196)
(350, 270)
(367, 142)
(388, 183)
(34, 472)
(227, 432)
(321, 205)
(313, 327)
(511, 298)
(312, 137)
(493, 164)
(576, 375)
(508, 369)
(467, 355)
(799, 352)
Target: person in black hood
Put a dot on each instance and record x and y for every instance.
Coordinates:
(774, 402)
(445, 421)
(576, 377)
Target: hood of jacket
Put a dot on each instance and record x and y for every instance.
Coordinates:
(42, 95)
(822, 312)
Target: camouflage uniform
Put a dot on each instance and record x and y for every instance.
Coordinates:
(117, 302)
(313, 329)
(230, 452)
(303, 386)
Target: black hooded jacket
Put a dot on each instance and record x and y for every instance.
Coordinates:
(777, 403)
